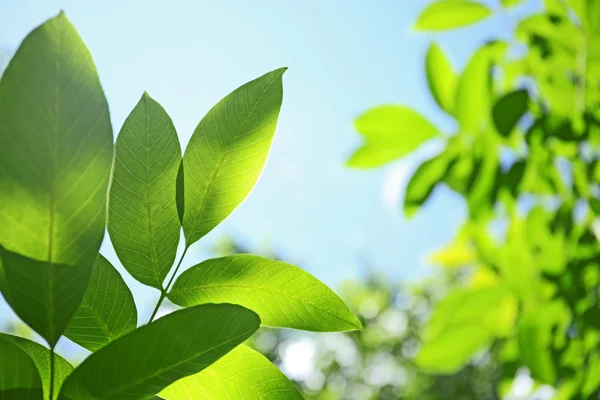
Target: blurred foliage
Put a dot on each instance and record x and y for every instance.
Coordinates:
(525, 157)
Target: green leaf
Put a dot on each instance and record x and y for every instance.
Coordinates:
(40, 356)
(510, 3)
(148, 359)
(242, 371)
(19, 378)
(227, 152)
(424, 180)
(44, 295)
(55, 149)
(441, 78)
(180, 195)
(473, 95)
(449, 14)
(282, 294)
(143, 219)
(390, 132)
(509, 110)
(107, 310)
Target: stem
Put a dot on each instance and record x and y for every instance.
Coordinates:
(51, 392)
(164, 291)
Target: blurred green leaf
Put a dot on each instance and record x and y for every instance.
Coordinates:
(20, 379)
(227, 152)
(242, 371)
(107, 310)
(302, 301)
(44, 295)
(509, 110)
(441, 78)
(510, 3)
(40, 356)
(143, 220)
(390, 132)
(448, 14)
(55, 149)
(423, 181)
(145, 361)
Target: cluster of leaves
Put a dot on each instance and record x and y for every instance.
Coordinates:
(526, 159)
(57, 169)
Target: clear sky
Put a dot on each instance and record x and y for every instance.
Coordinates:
(343, 57)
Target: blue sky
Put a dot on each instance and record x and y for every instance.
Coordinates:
(343, 57)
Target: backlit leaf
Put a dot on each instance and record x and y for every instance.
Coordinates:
(142, 363)
(107, 310)
(55, 149)
(448, 14)
(510, 3)
(227, 152)
(19, 378)
(43, 295)
(242, 371)
(283, 295)
(509, 110)
(40, 356)
(143, 220)
(423, 181)
(441, 78)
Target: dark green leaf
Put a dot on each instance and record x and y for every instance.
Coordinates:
(19, 378)
(55, 149)
(142, 218)
(107, 311)
(509, 110)
(448, 14)
(423, 181)
(43, 295)
(390, 132)
(227, 152)
(242, 371)
(441, 78)
(283, 295)
(40, 356)
(142, 363)
(180, 195)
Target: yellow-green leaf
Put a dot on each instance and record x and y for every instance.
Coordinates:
(441, 78)
(448, 14)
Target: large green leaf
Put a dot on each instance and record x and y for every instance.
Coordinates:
(107, 310)
(243, 372)
(43, 295)
(282, 294)
(424, 180)
(19, 377)
(441, 78)
(227, 152)
(148, 359)
(142, 221)
(55, 149)
(473, 94)
(448, 14)
(390, 132)
(55, 160)
(509, 110)
(40, 356)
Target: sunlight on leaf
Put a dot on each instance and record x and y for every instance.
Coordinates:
(441, 77)
(19, 377)
(448, 14)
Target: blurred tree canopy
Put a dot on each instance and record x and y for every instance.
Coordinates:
(525, 157)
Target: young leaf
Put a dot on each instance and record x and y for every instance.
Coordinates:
(143, 221)
(510, 3)
(55, 149)
(40, 356)
(423, 181)
(107, 310)
(282, 294)
(473, 94)
(509, 110)
(150, 358)
(19, 378)
(243, 371)
(44, 295)
(390, 132)
(448, 14)
(227, 152)
(441, 78)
